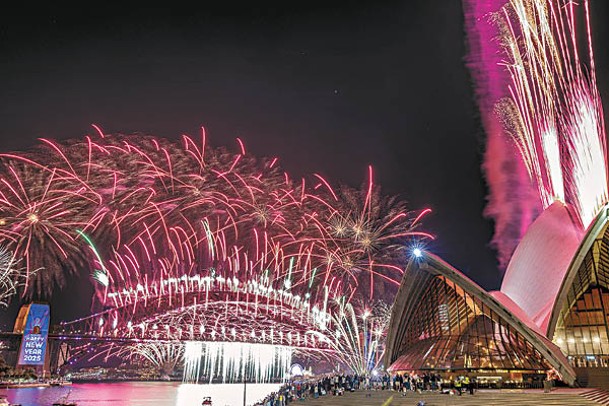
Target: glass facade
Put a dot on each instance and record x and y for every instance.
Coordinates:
(451, 329)
(582, 326)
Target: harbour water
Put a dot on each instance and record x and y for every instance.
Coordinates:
(140, 394)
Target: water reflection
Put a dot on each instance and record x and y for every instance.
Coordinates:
(141, 394)
(224, 394)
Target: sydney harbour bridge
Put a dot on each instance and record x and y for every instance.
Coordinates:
(202, 255)
(264, 325)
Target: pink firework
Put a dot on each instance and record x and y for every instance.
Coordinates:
(139, 211)
(542, 91)
(40, 208)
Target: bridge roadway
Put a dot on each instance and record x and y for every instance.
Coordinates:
(558, 397)
(63, 347)
(70, 337)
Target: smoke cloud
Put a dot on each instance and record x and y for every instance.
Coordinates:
(512, 202)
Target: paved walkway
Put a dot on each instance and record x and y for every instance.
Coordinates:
(482, 398)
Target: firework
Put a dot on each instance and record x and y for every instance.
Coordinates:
(513, 200)
(357, 335)
(163, 356)
(12, 276)
(138, 210)
(558, 121)
(534, 64)
(235, 362)
(40, 209)
(188, 243)
(551, 108)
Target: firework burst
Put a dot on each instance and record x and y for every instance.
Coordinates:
(558, 114)
(40, 208)
(163, 356)
(552, 109)
(357, 335)
(137, 210)
(12, 275)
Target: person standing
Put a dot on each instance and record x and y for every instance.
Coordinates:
(458, 385)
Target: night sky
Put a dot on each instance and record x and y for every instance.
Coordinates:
(328, 87)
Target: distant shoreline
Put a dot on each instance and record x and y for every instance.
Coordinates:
(25, 385)
(179, 380)
(115, 380)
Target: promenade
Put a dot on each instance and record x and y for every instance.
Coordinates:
(566, 397)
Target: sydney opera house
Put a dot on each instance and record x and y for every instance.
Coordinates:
(551, 313)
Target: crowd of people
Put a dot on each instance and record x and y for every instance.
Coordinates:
(428, 382)
(337, 385)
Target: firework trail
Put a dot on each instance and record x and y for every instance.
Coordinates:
(235, 362)
(558, 114)
(218, 249)
(163, 356)
(358, 333)
(12, 276)
(39, 210)
(512, 201)
(138, 210)
(546, 98)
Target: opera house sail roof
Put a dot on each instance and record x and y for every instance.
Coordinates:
(442, 320)
(540, 262)
(552, 311)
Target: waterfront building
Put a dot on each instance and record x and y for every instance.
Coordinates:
(550, 314)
